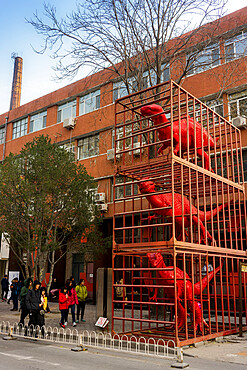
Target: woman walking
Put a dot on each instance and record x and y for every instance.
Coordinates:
(72, 299)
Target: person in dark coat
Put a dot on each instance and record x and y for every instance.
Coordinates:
(5, 287)
(34, 305)
(15, 289)
(73, 281)
(28, 284)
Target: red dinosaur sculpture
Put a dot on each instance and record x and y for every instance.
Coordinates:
(198, 136)
(165, 200)
(167, 278)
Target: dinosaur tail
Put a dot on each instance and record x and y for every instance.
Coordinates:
(205, 280)
(208, 213)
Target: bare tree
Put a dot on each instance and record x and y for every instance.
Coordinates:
(127, 37)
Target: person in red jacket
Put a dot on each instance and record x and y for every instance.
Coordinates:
(72, 299)
(63, 306)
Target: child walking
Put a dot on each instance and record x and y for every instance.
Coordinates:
(63, 306)
(43, 306)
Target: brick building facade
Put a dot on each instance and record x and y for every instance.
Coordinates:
(80, 116)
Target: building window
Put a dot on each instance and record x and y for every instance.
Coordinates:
(201, 61)
(37, 122)
(119, 90)
(67, 110)
(127, 188)
(216, 106)
(88, 147)
(236, 47)
(2, 134)
(89, 103)
(19, 128)
(70, 147)
(238, 104)
(165, 73)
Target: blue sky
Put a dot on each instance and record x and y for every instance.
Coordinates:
(18, 36)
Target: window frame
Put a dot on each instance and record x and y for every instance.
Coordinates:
(62, 107)
(94, 97)
(2, 134)
(36, 118)
(86, 141)
(21, 130)
(206, 53)
(236, 42)
(236, 101)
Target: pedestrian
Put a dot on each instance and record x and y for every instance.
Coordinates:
(54, 289)
(44, 306)
(5, 287)
(72, 299)
(81, 291)
(63, 300)
(73, 281)
(15, 289)
(28, 284)
(34, 305)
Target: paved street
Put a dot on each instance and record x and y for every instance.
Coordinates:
(24, 354)
(230, 354)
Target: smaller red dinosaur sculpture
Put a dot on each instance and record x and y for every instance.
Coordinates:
(198, 136)
(167, 278)
(165, 200)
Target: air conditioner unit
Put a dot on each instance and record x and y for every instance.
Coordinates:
(110, 155)
(239, 121)
(136, 151)
(100, 197)
(69, 122)
(102, 207)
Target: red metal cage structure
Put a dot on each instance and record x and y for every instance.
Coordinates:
(179, 229)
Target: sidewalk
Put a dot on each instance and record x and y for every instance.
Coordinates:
(52, 319)
(230, 349)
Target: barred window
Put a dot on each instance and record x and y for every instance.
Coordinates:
(88, 147)
(19, 128)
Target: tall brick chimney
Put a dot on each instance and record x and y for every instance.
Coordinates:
(16, 84)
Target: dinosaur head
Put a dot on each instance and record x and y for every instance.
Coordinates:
(153, 110)
(155, 259)
(146, 187)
